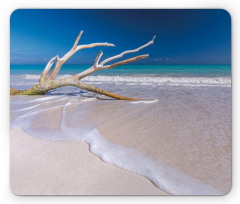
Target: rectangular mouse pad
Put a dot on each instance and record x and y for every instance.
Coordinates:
(120, 102)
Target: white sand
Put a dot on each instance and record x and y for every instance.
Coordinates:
(41, 167)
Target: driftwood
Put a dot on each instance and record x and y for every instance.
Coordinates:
(49, 82)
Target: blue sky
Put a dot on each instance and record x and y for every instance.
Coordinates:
(183, 36)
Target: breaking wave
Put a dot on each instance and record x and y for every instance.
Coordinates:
(146, 80)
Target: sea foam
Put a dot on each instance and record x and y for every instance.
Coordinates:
(165, 178)
(146, 80)
(130, 159)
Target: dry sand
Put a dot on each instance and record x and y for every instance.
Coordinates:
(42, 167)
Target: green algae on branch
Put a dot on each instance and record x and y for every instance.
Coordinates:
(32, 91)
(49, 82)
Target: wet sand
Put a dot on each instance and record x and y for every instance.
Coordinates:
(42, 167)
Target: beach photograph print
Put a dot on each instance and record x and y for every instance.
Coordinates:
(120, 102)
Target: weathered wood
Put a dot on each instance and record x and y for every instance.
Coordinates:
(49, 82)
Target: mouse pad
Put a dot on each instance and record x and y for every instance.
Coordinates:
(120, 102)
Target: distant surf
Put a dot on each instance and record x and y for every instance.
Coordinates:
(161, 81)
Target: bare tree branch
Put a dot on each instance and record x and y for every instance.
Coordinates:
(49, 82)
(78, 38)
(74, 49)
(56, 68)
(47, 68)
(80, 47)
(101, 66)
(97, 59)
(127, 52)
(123, 62)
(103, 92)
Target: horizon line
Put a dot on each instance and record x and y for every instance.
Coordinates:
(130, 64)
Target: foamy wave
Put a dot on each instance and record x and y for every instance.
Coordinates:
(132, 80)
(37, 76)
(187, 81)
(30, 76)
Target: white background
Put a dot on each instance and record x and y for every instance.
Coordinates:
(7, 6)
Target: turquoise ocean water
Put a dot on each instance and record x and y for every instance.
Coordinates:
(153, 70)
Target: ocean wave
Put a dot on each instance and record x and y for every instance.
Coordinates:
(37, 76)
(147, 80)
(161, 80)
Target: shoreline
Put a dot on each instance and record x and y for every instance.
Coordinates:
(42, 167)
